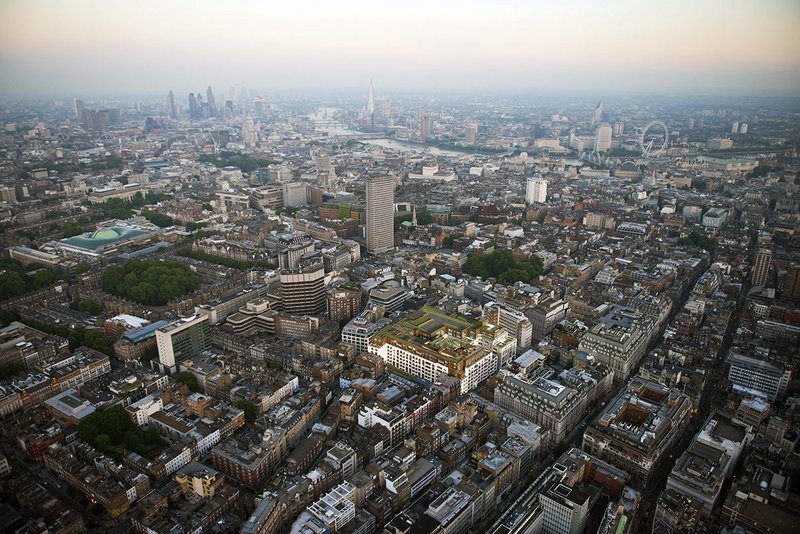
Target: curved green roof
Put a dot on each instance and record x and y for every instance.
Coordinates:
(104, 237)
(105, 233)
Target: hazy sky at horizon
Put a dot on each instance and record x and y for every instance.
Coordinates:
(733, 47)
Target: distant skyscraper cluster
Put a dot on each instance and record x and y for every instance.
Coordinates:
(198, 109)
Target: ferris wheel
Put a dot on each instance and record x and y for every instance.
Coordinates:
(650, 142)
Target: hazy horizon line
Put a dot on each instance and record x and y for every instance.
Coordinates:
(356, 91)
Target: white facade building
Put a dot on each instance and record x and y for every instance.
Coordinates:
(536, 191)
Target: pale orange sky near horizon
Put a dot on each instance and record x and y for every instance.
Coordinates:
(702, 46)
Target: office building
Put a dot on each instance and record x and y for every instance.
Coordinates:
(77, 108)
(370, 101)
(335, 509)
(620, 344)
(359, 331)
(250, 457)
(172, 109)
(182, 339)
(570, 493)
(452, 512)
(760, 500)
(429, 343)
(344, 303)
(565, 509)
(294, 195)
(545, 315)
(513, 321)
(380, 214)
(638, 428)
(303, 288)
(199, 479)
(194, 107)
(470, 133)
(386, 110)
(292, 247)
(762, 378)
(761, 267)
(597, 116)
(426, 126)
(602, 141)
(536, 191)
(391, 298)
(279, 173)
(702, 470)
(211, 103)
(555, 402)
(715, 218)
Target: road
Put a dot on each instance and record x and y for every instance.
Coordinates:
(575, 437)
(658, 481)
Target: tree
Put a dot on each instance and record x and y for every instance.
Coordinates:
(424, 218)
(249, 409)
(42, 278)
(89, 306)
(11, 285)
(696, 239)
(71, 229)
(189, 380)
(500, 264)
(82, 267)
(235, 159)
(10, 369)
(110, 430)
(15, 280)
(150, 282)
(449, 240)
(159, 219)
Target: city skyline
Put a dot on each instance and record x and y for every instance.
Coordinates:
(518, 267)
(674, 48)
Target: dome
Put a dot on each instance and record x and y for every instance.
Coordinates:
(106, 233)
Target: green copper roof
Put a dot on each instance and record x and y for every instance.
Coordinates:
(104, 237)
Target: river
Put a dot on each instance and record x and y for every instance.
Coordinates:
(328, 120)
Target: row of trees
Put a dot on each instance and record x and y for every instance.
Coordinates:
(159, 219)
(15, 280)
(78, 336)
(117, 208)
(500, 264)
(150, 282)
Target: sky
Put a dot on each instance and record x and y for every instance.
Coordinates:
(115, 47)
